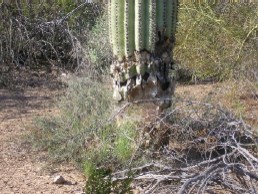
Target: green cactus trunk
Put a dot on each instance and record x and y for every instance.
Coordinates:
(142, 34)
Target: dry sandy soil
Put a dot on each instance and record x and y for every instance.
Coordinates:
(241, 99)
(22, 170)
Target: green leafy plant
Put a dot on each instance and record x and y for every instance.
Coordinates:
(125, 141)
(100, 181)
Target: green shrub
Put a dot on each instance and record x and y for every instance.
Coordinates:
(97, 46)
(217, 40)
(100, 182)
(125, 141)
(113, 147)
(84, 108)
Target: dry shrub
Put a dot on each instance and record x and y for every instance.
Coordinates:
(46, 35)
(201, 148)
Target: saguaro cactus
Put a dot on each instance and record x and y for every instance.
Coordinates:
(142, 35)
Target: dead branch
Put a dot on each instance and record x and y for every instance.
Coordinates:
(215, 151)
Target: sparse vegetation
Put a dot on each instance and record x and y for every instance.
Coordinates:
(117, 154)
(194, 146)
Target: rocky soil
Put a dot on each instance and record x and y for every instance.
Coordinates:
(21, 169)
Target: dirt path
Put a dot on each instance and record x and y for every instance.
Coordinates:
(22, 171)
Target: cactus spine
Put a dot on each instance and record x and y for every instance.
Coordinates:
(142, 35)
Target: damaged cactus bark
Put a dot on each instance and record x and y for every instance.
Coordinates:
(142, 35)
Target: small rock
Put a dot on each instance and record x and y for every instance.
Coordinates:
(59, 180)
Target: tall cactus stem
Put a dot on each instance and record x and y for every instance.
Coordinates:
(142, 33)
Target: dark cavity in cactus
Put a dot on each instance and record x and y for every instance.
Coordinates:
(142, 35)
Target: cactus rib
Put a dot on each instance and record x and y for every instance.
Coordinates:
(160, 15)
(150, 38)
(120, 30)
(110, 21)
(140, 24)
(175, 16)
(114, 26)
(129, 28)
(117, 28)
(171, 12)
